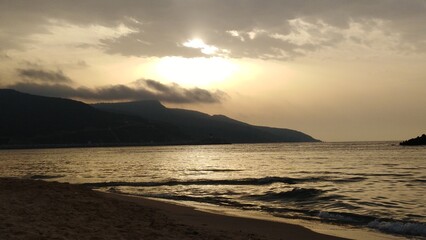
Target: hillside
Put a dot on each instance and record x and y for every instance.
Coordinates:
(203, 126)
(420, 140)
(29, 120)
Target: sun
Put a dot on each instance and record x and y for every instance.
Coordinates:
(196, 72)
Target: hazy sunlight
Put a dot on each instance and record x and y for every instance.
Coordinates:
(199, 72)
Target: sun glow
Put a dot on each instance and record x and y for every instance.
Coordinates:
(200, 72)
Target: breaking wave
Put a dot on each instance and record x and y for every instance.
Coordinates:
(244, 181)
(296, 194)
(42, 177)
(399, 227)
(384, 225)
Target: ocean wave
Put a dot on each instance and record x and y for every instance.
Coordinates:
(296, 194)
(384, 174)
(321, 172)
(221, 201)
(359, 174)
(243, 181)
(173, 182)
(215, 170)
(300, 195)
(349, 179)
(345, 217)
(41, 177)
(384, 225)
(399, 227)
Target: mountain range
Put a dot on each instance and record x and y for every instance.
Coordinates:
(30, 120)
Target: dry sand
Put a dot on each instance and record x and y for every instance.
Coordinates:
(31, 209)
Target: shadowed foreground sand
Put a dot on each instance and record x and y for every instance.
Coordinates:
(32, 209)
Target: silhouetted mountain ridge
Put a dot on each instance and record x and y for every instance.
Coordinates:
(199, 125)
(29, 120)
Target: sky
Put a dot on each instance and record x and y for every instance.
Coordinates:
(338, 70)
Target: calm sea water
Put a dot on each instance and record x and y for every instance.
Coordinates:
(377, 185)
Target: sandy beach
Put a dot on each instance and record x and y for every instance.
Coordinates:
(31, 209)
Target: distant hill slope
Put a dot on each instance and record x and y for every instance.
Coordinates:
(28, 119)
(420, 140)
(202, 126)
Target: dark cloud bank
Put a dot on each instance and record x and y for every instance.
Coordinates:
(44, 76)
(57, 84)
(248, 28)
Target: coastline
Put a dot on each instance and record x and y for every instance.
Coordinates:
(37, 209)
(152, 144)
(105, 145)
(203, 214)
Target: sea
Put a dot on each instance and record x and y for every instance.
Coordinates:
(371, 185)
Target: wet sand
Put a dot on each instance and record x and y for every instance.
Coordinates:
(31, 209)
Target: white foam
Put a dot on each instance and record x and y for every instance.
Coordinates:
(417, 229)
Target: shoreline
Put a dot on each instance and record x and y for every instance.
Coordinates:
(334, 230)
(33, 208)
(104, 145)
(220, 221)
(117, 145)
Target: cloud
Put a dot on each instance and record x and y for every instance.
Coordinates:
(4, 56)
(140, 90)
(277, 29)
(44, 75)
(82, 64)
